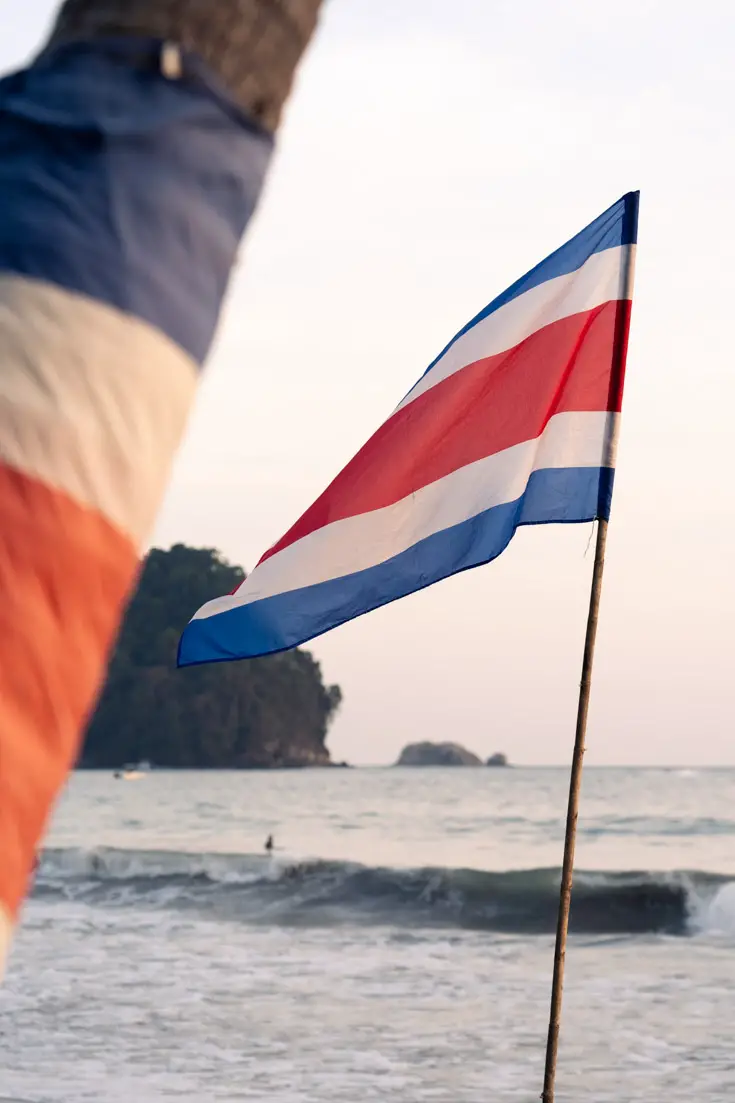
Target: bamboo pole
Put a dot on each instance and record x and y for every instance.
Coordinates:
(575, 780)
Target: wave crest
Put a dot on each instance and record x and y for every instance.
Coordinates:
(252, 888)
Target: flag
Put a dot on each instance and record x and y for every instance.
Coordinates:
(514, 423)
(123, 198)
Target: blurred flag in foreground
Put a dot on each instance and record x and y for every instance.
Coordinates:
(132, 153)
(514, 423)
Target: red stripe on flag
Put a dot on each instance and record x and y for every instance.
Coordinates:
(65, 573)
(482, 409)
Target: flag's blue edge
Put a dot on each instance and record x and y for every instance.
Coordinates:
(616, 226)
(112, 178)
(553, 496)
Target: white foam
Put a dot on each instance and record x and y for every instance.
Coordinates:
(113, 864)
(716, 914)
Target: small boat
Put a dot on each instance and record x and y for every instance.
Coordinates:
(133, 771)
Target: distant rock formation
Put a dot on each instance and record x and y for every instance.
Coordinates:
(437, 754)
(272, 712)
(497, 759)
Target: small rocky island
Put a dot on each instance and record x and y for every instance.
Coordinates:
(497, 759)
(445, 754)
(437, 754)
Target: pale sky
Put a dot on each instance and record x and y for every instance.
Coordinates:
(433, 151)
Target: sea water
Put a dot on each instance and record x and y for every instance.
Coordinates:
(397, 946)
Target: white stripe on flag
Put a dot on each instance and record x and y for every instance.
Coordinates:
(357, 543)
(599, 280)
(93, 401)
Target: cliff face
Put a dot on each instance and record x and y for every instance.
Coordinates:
(258, 714)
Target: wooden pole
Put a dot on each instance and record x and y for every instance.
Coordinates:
(565, 895)
(575, 782)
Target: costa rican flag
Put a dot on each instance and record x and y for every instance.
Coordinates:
(514, 423)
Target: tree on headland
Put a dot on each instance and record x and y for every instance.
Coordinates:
(272, 711)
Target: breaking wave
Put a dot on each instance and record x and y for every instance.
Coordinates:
(251, 888)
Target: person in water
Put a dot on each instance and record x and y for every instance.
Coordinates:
(269, 845)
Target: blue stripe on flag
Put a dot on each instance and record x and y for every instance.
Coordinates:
(126, 187)
(564, 495)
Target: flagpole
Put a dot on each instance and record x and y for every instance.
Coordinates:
(570, 838)
(575, 780)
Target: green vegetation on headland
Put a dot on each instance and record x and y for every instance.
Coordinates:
(259, 713)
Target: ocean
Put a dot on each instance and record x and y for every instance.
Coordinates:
(396, 947)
